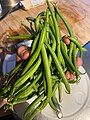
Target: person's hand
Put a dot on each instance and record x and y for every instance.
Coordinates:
(3, 102)
(23, 53)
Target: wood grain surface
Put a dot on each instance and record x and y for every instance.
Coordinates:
(77, 13)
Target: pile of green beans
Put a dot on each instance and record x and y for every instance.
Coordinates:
(44, 72)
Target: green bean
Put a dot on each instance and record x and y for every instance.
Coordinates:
(30, 72)
(44, 83)
(73, 81)
(12, 77)
(33, 104)
(9, 107)
(60, 91)
(25, 92)
(53, 106)
(77, 44)
(4, 91)
(37, 23)
(43, 14)
(47, 74)
(35, 88)
(40, 88)
(34, 44)
(57, 34)
(21, 88)
(48, 26)
(75, 52)
(51, 25)
(13, 71)
(71, 50)
(55, 102)
(56, 109)
(59, 67)
(64, 47)
(36, 53)
(66, 52)
(69, 67)
(55, 77)
(68, 60)
(43, 51)
(24, 99)
(53, 46)
(39, 108)
(22, 37)
(15, 101)
(57, 105)
(69, 28)
(19, 100)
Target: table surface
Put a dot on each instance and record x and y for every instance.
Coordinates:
(77, 13)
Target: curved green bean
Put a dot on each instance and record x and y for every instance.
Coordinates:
(39, 108)
(77, 44)
(25, 92)
(69, 61)
(47, 75)
(69, 28)
(53, 46)
(57, 34)
(30, 72)
(33, 104)
(36, 53)
(59, 67)
(34, 44)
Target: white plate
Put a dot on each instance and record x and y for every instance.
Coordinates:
(75, 103)
(74, 106)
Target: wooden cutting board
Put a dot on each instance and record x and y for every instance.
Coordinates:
(77, 13)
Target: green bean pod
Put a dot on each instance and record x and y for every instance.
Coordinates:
(27, 75)
(48, 26)
(19, 100)
(53, 46)
(59, 67)
(22, 37)
(77, 44)
(33, 104)
(25, 92)
(22, 88)
(71, 50)
(36, 53)
(57, 34)
(34, 44)
(53, 106)
(69, 28)
(68, 60)
(75, 52)
(37, 23)
(40, 106)
(51, 25)
(60, 91)
(47, 74)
